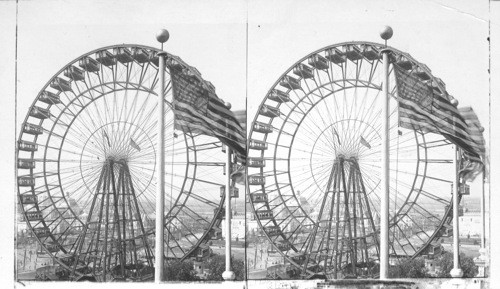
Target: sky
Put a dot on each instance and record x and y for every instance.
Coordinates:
(449, 36)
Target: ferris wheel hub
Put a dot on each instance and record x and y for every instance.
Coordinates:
(117, 160)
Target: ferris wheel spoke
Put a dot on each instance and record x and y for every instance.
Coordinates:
(125, 74)
(197, 218)
(301, 182)
(436, 143)
(297, 232)
(373, 69)
(416, 237)
(83, 95)
(147, 97)
(321, 171)
(270, 173)
(69, 97)
(149, 123)
(63, 236)
(169, 137)
(328, 113)
(187, 233)
(47, 147)
(428, 215)
(396, 143)
(378, 124)
(375, 195)
(203, 200)
(144, 110)
(78, 135)
(141, 184)
(312, 128)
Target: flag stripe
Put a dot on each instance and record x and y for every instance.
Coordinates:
(200, 128)
(473, 166)
(418, 117)
(474, 128)
(203, 130)
(209, 121)
(197, 109)
(438, 115)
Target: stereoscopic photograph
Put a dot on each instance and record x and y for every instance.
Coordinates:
(249, 144)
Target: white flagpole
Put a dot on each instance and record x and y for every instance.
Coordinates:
(456, 272)
(482, 260)
(483, 209)
(162, 36)
(228, 275)
(483, 205)
(386, 34)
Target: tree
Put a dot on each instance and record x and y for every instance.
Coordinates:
(445, 261)
(415, 268)
(272, 276)
(409, 268)
(217, 265)
(180, 271)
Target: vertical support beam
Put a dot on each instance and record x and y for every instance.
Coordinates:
(335, 178)
(347, 220)
(228, 275)
(160, 173)
(106, 223)
(456, 272)
(384, 176)
(337, 261)
(354, 213)
(81, 240)
(122, 191)
(116, 221)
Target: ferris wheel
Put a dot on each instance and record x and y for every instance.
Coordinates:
(314, 165)
(86, 165)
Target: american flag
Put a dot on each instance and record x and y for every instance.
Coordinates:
(198, 110)
(471, 167)
(422, 109)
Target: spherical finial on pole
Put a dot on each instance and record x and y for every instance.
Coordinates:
(162, 36)
(481, 129)
(228, 105)
(386, 33)
(454, 102)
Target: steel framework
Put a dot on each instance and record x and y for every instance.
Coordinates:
(86, 163)
(314, 165)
